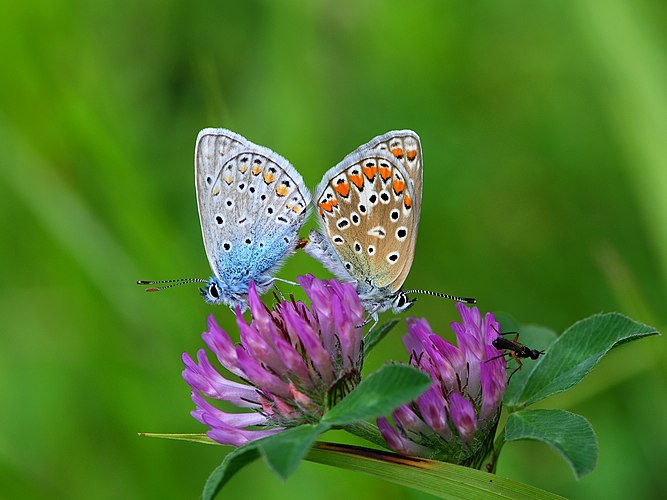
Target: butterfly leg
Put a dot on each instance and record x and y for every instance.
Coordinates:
(372, 316)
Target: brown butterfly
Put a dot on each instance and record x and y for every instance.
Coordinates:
(369, 206)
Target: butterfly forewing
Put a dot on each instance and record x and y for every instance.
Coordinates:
(405, 146)
(212, 145)
(252, 203)
(367, 211)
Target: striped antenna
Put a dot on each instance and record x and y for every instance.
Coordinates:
(177, 282)
(467, 300)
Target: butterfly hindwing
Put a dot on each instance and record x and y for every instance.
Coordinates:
(366, 210)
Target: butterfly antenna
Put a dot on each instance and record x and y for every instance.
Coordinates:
(177, 282)
(455, 298)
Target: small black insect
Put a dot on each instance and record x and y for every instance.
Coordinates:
(514, 349)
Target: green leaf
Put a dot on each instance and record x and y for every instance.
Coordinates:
(233, 462)
(376, 335)
(574, 354)
(569, 434)
(379, 394)
(535, 337)
(437, 478)
(284, 451)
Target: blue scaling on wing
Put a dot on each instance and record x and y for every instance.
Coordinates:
(252, 204)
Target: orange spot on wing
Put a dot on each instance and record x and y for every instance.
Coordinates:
(370, 172)
(256, 170)
(343, 189)
(412, 154)
(399, 186)
(407, 201)
(269, 178)
(243, 169)
(282, 191)
(357, 180)
(385, 173)
(326, 206)
(397, 152)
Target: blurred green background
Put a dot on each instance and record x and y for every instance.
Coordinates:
(544, 129)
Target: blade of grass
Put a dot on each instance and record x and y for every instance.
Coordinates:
(437, 478)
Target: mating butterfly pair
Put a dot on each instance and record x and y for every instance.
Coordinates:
(252, 203)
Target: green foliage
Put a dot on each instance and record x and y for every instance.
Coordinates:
(569, 358)
(284, 451)
(570, 435)
(574, 354)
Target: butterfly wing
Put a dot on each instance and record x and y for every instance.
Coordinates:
(211, 147)
(368, 217)
(405, 146)
(252, 203)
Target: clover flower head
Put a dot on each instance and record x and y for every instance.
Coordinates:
(456, 418)
(294, 363)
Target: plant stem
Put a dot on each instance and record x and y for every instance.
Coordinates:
(495, 454)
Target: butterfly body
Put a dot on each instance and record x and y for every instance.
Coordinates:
(252, 203)
(368, 208)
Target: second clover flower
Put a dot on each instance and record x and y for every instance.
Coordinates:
(455, 420)
(294, 362)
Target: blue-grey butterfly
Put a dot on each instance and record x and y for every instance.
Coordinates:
(369, 207)
(252, 203)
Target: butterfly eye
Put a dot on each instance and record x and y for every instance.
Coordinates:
(213, 291)
(401, 303)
